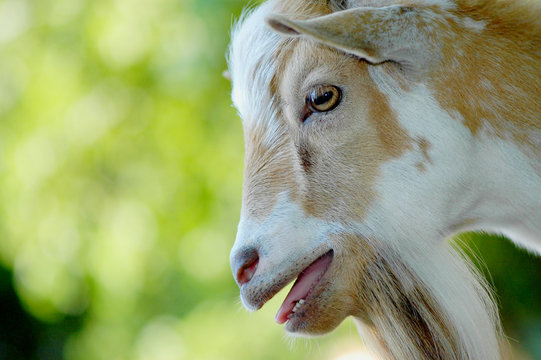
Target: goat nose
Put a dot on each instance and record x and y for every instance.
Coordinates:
(244, 265)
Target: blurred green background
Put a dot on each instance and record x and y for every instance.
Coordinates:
(120, 182)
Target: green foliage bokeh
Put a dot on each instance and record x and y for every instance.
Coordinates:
(120, 182)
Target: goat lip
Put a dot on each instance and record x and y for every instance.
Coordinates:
(263, 287)
(306, 282)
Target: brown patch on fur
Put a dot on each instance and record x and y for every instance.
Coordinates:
(305, 156)
(332, 149)
(424, 146)
(420, 166)
(492, 77)
(269, 171)
(393, 138)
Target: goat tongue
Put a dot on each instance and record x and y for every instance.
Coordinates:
(304, 284)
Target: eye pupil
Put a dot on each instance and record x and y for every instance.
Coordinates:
(322, 99)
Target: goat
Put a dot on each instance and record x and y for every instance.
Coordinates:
(374, 131)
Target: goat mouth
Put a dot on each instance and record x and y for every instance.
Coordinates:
(303, 287)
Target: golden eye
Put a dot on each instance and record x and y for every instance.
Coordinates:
(324, 98)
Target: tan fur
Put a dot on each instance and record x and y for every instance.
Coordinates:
(496, 81)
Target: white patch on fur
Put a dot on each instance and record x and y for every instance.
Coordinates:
(486, 84)
(475, 25)
(251, 54)
(284, 237)
(510, 193)
(485, 178)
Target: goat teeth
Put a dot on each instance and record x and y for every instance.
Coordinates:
(298, 305)
(290, 316)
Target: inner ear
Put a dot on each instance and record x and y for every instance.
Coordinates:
(281, 25)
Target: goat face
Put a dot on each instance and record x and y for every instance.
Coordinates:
(309, 176)
(350, 170)
(309, 181)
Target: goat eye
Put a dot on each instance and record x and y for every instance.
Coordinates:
(324, 98)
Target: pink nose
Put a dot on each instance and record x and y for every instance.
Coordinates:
(244, 265)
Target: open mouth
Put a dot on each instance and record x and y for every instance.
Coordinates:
(306, 282)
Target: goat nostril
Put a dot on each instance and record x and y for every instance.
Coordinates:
(247, 270)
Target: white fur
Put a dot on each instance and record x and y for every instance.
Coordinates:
(475, 25)
(255, 46)
(287, 235)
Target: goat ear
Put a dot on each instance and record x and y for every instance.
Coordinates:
(393, 33)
